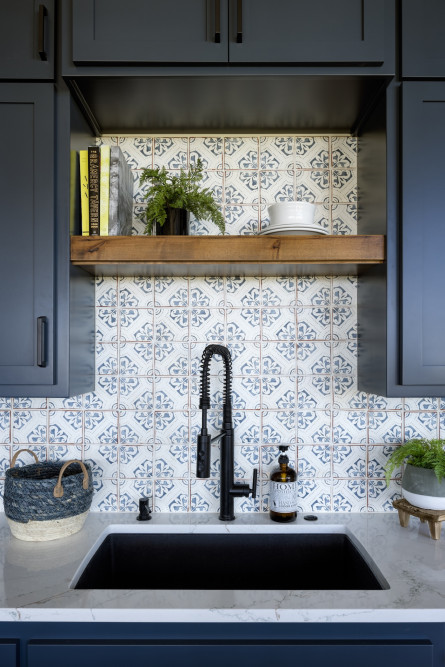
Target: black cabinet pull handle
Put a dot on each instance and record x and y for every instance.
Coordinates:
(41, 341)
(43, 13)
(217, 21)
(239, 21)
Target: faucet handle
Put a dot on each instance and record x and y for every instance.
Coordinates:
(254, 482)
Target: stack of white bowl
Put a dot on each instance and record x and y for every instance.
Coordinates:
(292, 217)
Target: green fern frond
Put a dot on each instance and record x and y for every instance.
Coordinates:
(420, 453)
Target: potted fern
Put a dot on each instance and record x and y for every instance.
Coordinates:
(172, 197)
(423, 481)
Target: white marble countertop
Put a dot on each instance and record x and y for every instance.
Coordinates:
(36, 577)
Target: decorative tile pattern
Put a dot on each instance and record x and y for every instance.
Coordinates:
(293, 343)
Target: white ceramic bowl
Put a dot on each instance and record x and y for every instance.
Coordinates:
(295, 213)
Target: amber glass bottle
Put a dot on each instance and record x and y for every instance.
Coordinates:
(283, 490)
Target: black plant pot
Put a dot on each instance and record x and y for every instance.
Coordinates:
(177, 223)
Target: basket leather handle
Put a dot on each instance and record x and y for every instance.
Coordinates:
(58, 489)
(16, 455)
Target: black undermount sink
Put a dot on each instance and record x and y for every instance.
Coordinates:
(208, 561)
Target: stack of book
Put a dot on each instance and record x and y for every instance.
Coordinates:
(106, 189)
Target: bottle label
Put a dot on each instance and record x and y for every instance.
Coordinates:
(283, 497)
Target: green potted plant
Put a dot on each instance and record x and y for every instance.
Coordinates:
(172, 197)
(423, 483)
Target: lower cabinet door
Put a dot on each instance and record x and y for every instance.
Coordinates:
(220, 654)
(8, 653)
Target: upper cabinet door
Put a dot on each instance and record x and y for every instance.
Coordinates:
(27, 40)
(155, 31)
(423, 234)
(27, 238)
(423, 43)
(307, 31)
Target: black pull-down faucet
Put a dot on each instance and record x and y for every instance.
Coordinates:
(229, 489)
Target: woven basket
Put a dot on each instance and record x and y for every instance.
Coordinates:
(38, 507)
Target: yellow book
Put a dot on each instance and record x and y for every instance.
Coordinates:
(84, 195)
(104, 189)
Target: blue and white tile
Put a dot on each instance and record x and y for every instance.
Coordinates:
(344, 219)
(349, 461)
(247, 458)
(247, 424)
(383, 403)
(421, 425)
(136, 324)
(139, 221)
(241, 220)
(344, 357)
(171, 324)
(103, 460)
(314, 358)
(136, 358)
(171, 359)
(313, 323)
(106, 325)
(344, 323)
(420, 404)
(29, 426)
(247, 505)
(277, 152)
(350, 426)
(322, 216)
(5, 459)
(278, 357)
(245, 359)
(314, 461)
(344, 152)
(138, 152)
(278, 291)
(25, 458)
(136, 392)
(278, 324)
(314, 392)
(5, 426)
(171, 292)
(278, 392)
(172, 428)
(314, 291)
(344, 186)
(100, 426)
(204, 495)
(172, 496)
(136, 427)
(60, 452)
(70, 403)
(275, 186)
(206, 292)
(241, 152)
(65, 426)
(378, 456)
(279, 427)
(106, 359)
(243, 324)
(171, 152)
(385, 427)
(105, 499)
(314, 426)
(314, 496)
(350, 496)
(140, 190)
(130, 492)
(171, 393)
(136, 292)
(246, 393)
(106, 292)
(171, 460)
(347, 395)
(312, 152)
(344, 291)
(242, 291)
(314, 186)
(6, 403)
(207, 325)
(241, 187)
(381, 497)
(207, 149)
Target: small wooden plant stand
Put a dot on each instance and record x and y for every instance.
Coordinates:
(433, 517)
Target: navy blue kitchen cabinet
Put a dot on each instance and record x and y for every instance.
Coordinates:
(259, 644)
(236, 31)
(423, 45)
(27, 40)
(8, 653)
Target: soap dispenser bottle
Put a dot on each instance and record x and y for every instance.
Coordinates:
(283, 490)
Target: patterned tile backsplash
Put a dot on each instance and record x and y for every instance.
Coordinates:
(293, 343)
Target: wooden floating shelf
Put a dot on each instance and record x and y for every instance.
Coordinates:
(226, 255)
